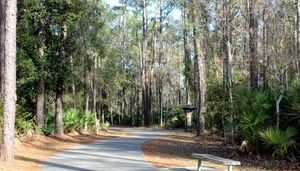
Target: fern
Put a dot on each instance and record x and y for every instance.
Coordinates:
(279, 141)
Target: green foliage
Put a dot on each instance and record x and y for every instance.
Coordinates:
(280, 141)
(176, 117)
(75, 119)
(72, 120)
(251, 124)
(105, 125)
(24, 122)
(217, 108)
(253, 108)
(89, 119)
(23, 126)
(49, 129)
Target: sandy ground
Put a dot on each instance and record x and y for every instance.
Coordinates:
(175, 149)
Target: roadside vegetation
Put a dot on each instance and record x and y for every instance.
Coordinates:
(81, 66)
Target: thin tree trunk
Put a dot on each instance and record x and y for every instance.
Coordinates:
(133, 103)
(8, 76)
(73, 83)
(86, 76)
(95, 95)
(200, 74)
(111, 117)
(278, 100)
(146, 101)
(227, 62)
(160, 55)
(298, 44)
(151, 74)
(187, 59)
(253, 35)
(265, 44)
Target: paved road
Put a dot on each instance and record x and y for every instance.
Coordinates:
(114, 154)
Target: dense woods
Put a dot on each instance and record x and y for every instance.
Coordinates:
(87, 64)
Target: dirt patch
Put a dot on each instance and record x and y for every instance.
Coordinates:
(175, 149)
(30, 152)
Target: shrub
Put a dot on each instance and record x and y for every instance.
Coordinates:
(23, 126)
(279, 141)
(105, 125)
(253, 109)
(177, 117)
(49, 129)
(75, 119)
(72, 120)
(88, 118)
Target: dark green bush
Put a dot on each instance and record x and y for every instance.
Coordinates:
(252, 109)
(176, 117)
(49, 129)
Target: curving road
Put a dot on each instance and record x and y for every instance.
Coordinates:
(114, 154)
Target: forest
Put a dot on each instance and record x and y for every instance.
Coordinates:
(89, 64)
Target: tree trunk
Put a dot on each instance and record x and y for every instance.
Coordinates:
(146, 101)
(2, 42)
(160, 55)
(227, 62)
(40, 99)
(253, 34)
(86, 75)
(278, 100)
(187, 59)
(73, 83)
(265, 44)
(95, 95)
(298, 44)
(59, 109)
(8, 83)
(200, 73)
(59, 124)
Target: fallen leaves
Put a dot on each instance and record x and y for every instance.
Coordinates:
(175, 149)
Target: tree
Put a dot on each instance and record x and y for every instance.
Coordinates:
(298, 42)
(40, 97)
(227, 59)
(146, 97)
(59, 87)
(8, 73)
(253, 35)
(265, 43)
(200, 70)
(187, 56)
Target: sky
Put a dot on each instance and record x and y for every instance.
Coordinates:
(176, 13)
(112, 2)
